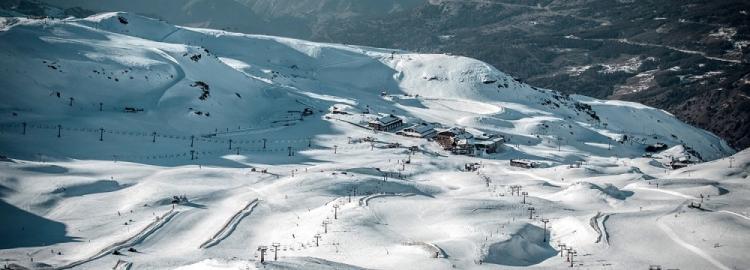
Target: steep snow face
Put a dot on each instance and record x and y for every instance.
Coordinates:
(194, 81)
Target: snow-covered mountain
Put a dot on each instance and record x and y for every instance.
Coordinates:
(197, 81)
(114, 111)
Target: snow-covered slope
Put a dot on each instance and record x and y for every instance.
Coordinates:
(121, 60)
(106, 118)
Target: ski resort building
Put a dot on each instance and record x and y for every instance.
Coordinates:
(460, 142)
(523, 163)
(489, 145)
(463, 147)
(387, 123)
(423, 130)
(449, 139)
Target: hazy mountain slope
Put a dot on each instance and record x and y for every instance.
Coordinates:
(294, 18)
(670, 55)
(9, 8)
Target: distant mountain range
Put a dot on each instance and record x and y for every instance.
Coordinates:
(687, 57)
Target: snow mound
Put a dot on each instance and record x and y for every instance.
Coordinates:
(585, 192)
(524, 248)
(100, 186)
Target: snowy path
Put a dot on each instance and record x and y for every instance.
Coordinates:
(597, 223)
(735, 213)
(702, 54)
(672, 235)
(365, 201)
(603, 227)
(137, 238)
(177, 79)
(231, 224)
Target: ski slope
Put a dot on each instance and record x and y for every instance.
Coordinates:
(111, 120)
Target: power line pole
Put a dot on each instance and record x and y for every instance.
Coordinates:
(264, 143)
(524, 196)
(334, 148)
(101, 134)
(325, 225)
(562, 249)
(731, 159)
(59, 127)
(230, 144)
(192, 154)
(572, 256)
(275, 251)
(335, 211)
(544, 220)
(192, 139)
(262, 250)
(531, 212)
(154, 134)
(515, 189)
(100, 106)
(317, 239)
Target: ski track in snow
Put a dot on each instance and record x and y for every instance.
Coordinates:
(365, 201)
(230, 225)
(672, 235)
(597, 223)
(180, 74)
(132, 241)
(735, 213)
